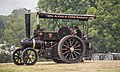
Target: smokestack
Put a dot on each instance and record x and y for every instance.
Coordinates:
(38, 23)
(27, 25)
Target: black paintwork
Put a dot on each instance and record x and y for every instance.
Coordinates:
(66, 16)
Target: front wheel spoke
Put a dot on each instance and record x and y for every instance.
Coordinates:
(31, 60)
(16, 56)
(29, 52)
(28, 61)
(18, 52)
(33, 55)
(66, 52)
(16, 60)
(77, 52)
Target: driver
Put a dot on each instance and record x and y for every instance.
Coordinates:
(75, 31)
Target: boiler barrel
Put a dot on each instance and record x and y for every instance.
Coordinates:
(31, 43)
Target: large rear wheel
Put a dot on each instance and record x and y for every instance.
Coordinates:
(71, 49)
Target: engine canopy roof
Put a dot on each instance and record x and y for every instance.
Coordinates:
(81, 17)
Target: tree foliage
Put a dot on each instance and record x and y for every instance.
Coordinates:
(2, 28)
(14, 30)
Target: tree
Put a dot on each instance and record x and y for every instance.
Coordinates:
(14, 30)
(2, 23)
(106, 25)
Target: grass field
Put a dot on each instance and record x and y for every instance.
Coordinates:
(87, 66)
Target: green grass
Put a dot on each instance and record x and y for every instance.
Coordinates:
(87, 66)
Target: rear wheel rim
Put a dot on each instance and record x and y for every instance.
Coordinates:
(72, 49)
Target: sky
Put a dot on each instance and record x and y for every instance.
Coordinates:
(7, 6)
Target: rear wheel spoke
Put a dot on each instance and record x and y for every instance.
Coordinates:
(75, 55)
(77, 52)
(72, 56)
(66, 43)
(66, 52)
(66, 46)
(66, 55)
(77, 46)
(64, 49)
(73, 41)
(70, 42)
(77, 49)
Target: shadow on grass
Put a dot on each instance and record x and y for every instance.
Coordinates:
(53, 63)
(46, 63)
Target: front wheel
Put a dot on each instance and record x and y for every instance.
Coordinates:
(71, 49)
(29, 56)
(16, 57)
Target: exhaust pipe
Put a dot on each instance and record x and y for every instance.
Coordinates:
(27, 25)
(38, 23)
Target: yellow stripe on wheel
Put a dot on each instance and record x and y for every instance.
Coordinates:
(33, 43)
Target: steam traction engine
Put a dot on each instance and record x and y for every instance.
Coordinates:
(67, 45)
